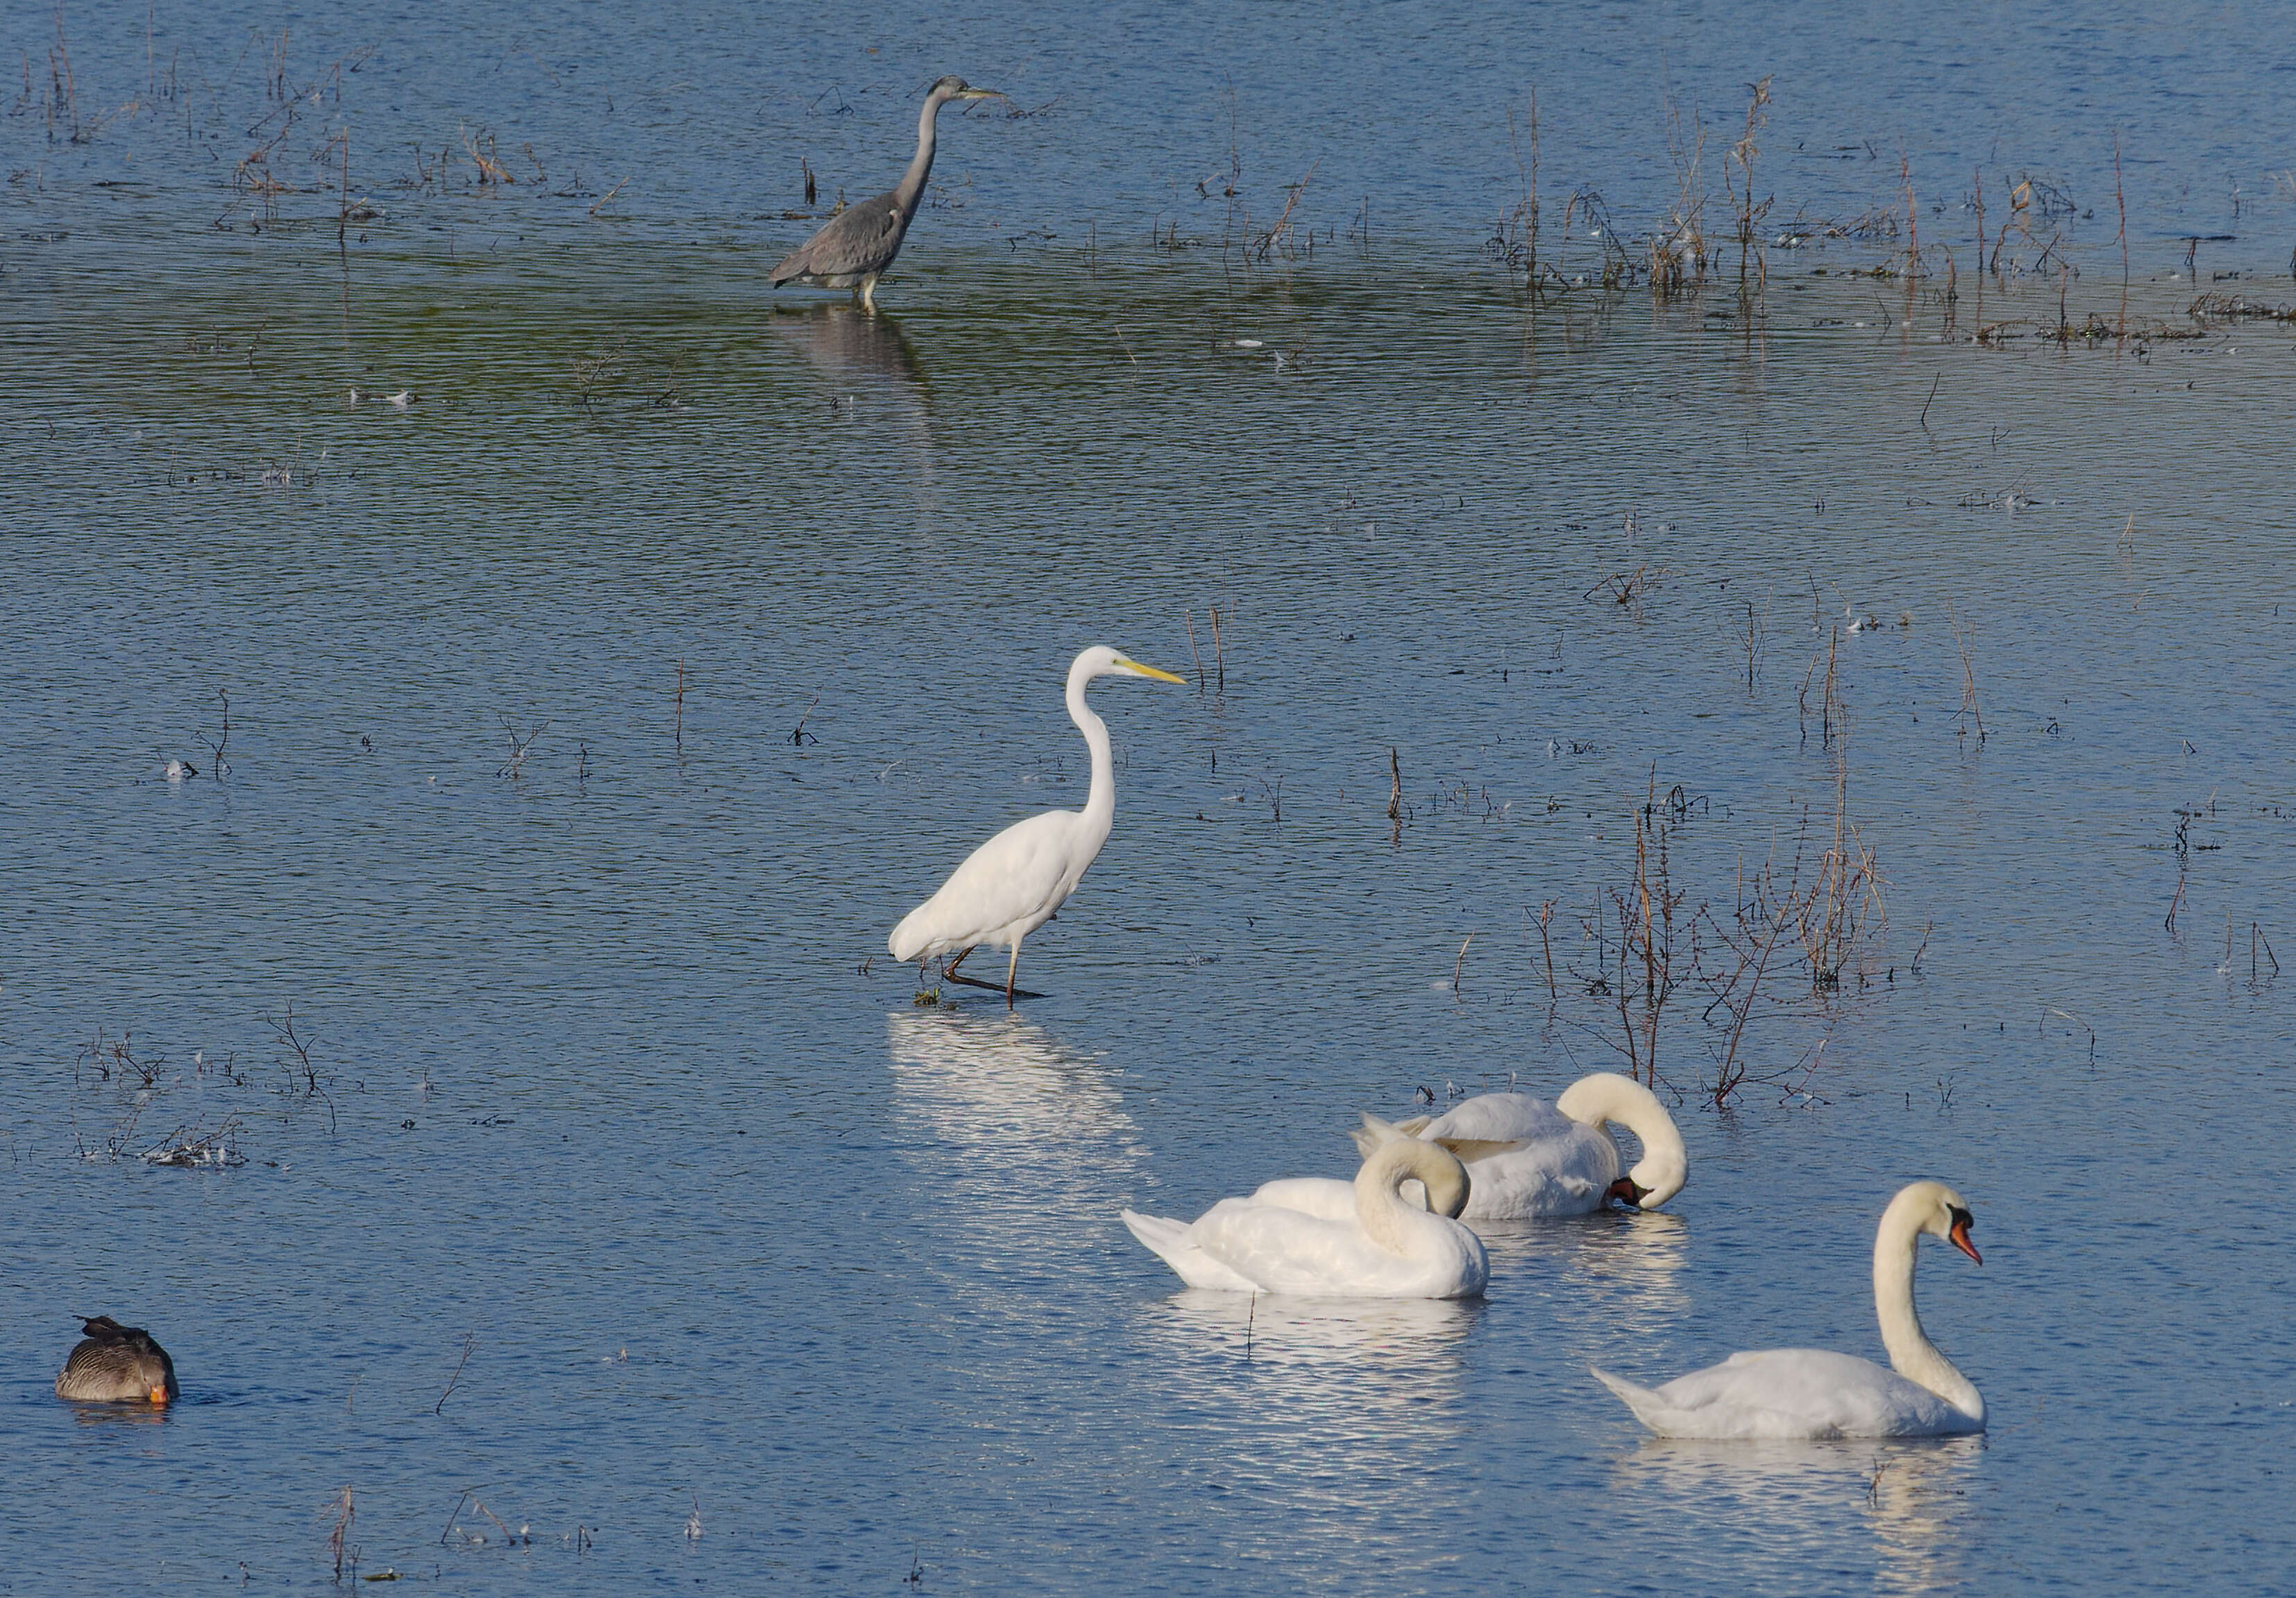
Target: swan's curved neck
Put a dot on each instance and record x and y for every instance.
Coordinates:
(1099, 804)
(1605, 1096)
(1912, 1354)
(1391, 1222)
(912, 181)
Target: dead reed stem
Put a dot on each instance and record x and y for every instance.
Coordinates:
(469, 1343)
(1968, 676)
(2120, 203)
(1394, 785)
(1188, 615)
(345, 1510)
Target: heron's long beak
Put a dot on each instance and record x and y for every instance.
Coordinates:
(1959, 1235)
(1149, 671)
(980, 95)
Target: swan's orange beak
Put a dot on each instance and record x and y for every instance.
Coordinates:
(159, 1396)
(1960, 1239)
(1626, 1190)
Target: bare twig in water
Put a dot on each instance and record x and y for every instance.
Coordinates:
(2169, 921)
(1394, 785)
(217, 765)
(680, 734)
(1547, 950)
(299, 1047)
(1188, 615)
(520, 748)
(468, 1344)
(1460, 964)
(799, 735)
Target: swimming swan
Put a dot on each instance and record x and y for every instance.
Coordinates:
(1314, 1235)
(1810, 1393)
(114, 1363)
(1530, 1159)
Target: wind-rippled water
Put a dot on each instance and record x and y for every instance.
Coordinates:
(628, 1193)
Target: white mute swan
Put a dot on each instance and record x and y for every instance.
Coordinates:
(1810, 1393)
(1314, 1235)
(1530, 1159)
(1011, 885)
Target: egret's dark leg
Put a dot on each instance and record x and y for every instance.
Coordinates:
(949, 974)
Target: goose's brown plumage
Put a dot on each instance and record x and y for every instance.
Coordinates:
(114, 1363)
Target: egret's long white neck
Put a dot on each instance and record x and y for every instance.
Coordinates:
(1099, 804)
(1912, 1354)
(1606, 1096)
(912, 181)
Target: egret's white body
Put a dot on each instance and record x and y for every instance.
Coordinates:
(1811, 1393)
(1012, 884)
(1316, 1236)
(1530, 1159)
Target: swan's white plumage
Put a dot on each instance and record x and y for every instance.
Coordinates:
(1813, 1393)
(1313, 1236)
(1529, 1158)
(1792, 1393)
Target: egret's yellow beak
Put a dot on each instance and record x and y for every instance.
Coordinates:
(1148, 671)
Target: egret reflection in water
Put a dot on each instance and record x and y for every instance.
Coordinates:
(1026, 1141)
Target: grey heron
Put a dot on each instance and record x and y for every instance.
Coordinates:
(854, 247)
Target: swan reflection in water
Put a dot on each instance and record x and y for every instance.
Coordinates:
(1758, 1501)
(1618, 1267)
(1350, 1414)
(1024, 1141)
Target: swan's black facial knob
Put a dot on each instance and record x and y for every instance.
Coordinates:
(1626, 1190)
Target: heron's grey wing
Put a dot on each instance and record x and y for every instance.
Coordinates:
(860, 238)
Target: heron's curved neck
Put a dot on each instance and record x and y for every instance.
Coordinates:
(1912, 1354)
(912, 186)
(1099, 804)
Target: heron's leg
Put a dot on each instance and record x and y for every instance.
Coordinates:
(868, 292)
(1012, 969)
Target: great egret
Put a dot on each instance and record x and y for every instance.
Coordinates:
(856, 245)
(1813, 1393)
(114, 1363)
(1011, 885)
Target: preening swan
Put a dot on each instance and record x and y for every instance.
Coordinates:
(1810, 1393)
(1011, 885)
(1313, 1236)
(114, 1363)
(1530, 1159)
